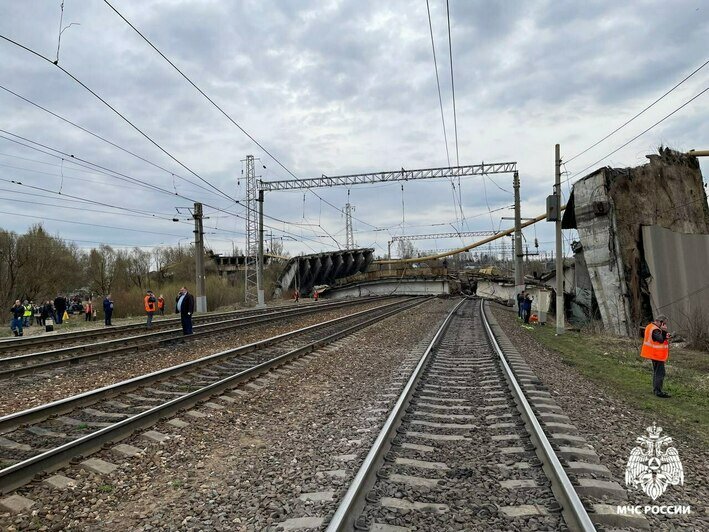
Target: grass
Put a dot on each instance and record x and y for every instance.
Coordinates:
(615, 363)
(106, 488)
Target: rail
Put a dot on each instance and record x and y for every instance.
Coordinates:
(348, 508)
(572, 508)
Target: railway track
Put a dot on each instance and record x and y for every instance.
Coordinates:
(46, 437)
(28, 363)
(27, 343)
(463, 449)
(67, 339)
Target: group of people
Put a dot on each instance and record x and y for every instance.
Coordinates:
(524, 306)
(27, 313)
(184, 306)
(24, 314)
(655, 347)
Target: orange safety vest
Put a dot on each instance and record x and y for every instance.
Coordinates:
(150, 306)
(161, 302)
(653, 350)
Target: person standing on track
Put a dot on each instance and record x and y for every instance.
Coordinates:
(656, 347)
(161, 305)
(108, 310)
(151, 305)
(18, 312)
(184, 305)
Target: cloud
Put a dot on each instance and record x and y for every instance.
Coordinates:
(337, 87)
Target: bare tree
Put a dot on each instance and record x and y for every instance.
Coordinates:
(406, 249)
(138, 264)
(101, 269)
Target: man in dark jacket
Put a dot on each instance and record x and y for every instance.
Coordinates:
(107, 310)
(520, 305)
(527, 302)
(18, 312)
(184, 304)
(48, 312)
(60, 307)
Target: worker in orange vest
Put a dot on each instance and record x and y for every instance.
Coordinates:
(161, 305)
(656, 347)
(151, 305)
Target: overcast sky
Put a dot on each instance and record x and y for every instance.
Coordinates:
(331, 88)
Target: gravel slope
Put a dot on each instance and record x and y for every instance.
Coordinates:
(26, 392)
(250, 465)
(611, 425)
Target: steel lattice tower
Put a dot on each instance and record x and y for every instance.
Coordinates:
(251, 231)
(349, 243)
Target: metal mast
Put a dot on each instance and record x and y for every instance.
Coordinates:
(252, 232)
(349, 243)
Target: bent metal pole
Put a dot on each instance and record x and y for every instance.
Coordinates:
(501, 234)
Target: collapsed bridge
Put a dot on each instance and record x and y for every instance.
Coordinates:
(304, 272)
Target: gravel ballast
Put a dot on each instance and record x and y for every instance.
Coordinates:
(611, 425)
(284, 448)
(33, 390)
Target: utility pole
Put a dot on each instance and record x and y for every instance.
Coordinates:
(519, 265)
(201, 299)
(559, 254)
(261, 301)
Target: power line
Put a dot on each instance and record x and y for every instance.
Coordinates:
(640, 113)
(102, 100)
(88, 224)
(450, 54)
(640, 134)
(83, 209)
(222, 111)
(96, 135)
(124, 177)
(78, 198)
(438, 82)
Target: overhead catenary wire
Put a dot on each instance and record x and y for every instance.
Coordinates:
(640, 113)
(117, 112)
(119, 175)
(639, 134)
(103, 139)
(450, 54)
(438, 82)
(89, 224)
(222, 111)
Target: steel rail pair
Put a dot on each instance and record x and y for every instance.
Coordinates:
(351, 505)
(33, 362)
(18, 474)
(10, 344)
